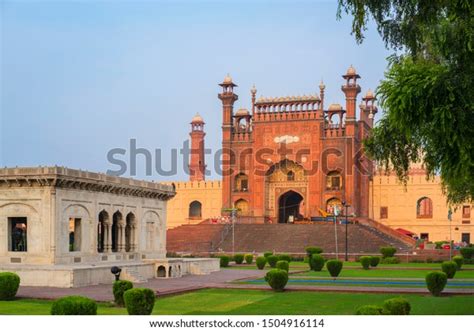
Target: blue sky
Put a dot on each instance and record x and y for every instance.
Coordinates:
(80, 78)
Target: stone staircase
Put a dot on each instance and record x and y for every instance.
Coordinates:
(195, 238)
(133, 275)
(288, 238)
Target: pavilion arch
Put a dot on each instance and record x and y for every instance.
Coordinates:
(161, 271)
(22, 221)
(117, 221)
(195, 210)
(424, 208)
(19, 206)
(152, 221)
(102, 231)
(130, 229)
(74, 225)
(242, 207)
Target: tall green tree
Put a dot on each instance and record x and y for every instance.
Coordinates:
(428, 91)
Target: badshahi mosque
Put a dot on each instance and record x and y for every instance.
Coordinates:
(270, 152)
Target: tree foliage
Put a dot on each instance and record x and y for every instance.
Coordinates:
(427, 94)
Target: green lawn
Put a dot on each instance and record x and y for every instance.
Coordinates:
(252, 302)
(297, 265)
(383, 273)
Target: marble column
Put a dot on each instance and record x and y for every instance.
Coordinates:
(122, 238)
(108, 245)
(132, 239)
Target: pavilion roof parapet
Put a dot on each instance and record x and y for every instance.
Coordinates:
(81, 179)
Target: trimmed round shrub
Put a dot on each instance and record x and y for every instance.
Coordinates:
(365, 262)
(449, 268)
(277, 279)
(267, 254)
(74, 305)
(261, 261)
(9, 283)
(390, 260)
(374, 261)
(459, 260)
(388, 251)
(248, 258)
(436, 281)
(467, 252)
(272, 260)
(369, 310)
(224, 261)
(313, 250)
(284, 257)
(139, 301)
(316, 262)
(119, 288)
(334, 267)
(239, 258)
(396, 306)
(283, 265)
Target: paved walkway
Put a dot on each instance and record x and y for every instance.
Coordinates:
(220, 279)
(161, 285)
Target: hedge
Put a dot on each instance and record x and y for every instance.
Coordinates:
(390, 260)
(449, 268)
(139, 301)
(261, 261)
(272, 260)
(365, 262)
(396, 306)
(248, 258)
(388, 251)
(374, 261)
(369, 310)
(277, 279)
(313, 250)
(119, 288)
(467, 252)
(9, 283)
(316, 262)
(284, 257)
(224, 261)
(74, 305)
(459, 260)
(267, 254)
(436, 281)
(283, 265)
(239, 258)
(334, 267)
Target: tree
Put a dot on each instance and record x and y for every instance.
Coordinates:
(427, 94)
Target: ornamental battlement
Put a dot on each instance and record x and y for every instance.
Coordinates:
(63, 177)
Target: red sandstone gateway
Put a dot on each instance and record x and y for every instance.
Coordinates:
(290, 159)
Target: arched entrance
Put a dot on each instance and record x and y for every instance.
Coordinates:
(289, 206)
(195, 210)
(242, 207)
(334, 206)
(161, 271)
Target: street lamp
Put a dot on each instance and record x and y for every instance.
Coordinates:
(233, 213)
(336, 213)
(346, 206)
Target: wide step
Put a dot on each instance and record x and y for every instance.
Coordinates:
(290, 238)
